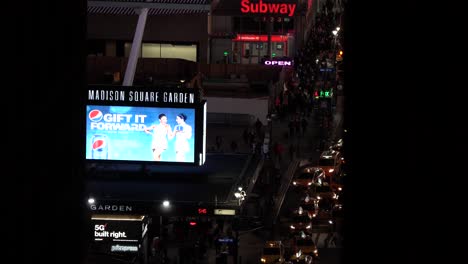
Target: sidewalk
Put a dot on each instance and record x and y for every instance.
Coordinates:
(305, 151)
(267, 185)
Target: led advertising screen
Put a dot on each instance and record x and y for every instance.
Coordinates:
(140, 133)
(142, 125)
(117, 231)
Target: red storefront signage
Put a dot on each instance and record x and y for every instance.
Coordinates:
(271, 8)
(260, 38)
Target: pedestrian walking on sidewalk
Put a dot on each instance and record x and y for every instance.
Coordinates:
(245, 136)
(278, 149)
(234, 146)
(265, 151)
(219, 142)
(291, 127)
(304, 124)
(297, 125)
(292, 150)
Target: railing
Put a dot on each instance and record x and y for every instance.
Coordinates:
(251, 72)
(234, 187)
(101, 70)
(285, 183)
(231, 119)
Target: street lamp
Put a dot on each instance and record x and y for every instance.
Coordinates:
(240, 195)
(335, 35)
(166, 208)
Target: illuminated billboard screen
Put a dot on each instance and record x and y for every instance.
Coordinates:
(117, 231)
(140, 133)
(134, 124)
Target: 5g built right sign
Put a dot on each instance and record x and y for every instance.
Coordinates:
(115, 231)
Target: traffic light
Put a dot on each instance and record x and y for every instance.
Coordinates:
(316, 94)
(226, 53)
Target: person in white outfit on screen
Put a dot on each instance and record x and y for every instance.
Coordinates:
(182, 132)
(161, 133)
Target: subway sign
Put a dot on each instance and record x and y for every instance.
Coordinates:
(283, 8)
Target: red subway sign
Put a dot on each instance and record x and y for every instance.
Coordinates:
(259, 7)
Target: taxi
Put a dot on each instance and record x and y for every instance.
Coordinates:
(330, 161)
(305, 176)
(272, 252)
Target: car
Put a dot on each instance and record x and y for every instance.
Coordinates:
(323, 190)
(330, 161)
(300, 221)
(323, 222)
(338, 219)
(322, 183)
(319, 200)
(322, 218)
(305, 244)
(300, 258)
(311, 211)
(273, 252)
(309, 204)
(338, 145)
(305, 176)
(326, 203)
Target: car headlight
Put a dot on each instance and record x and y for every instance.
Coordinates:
(263, 260)
(331, 170)
(308, 227)
(294, 183)
(292, 227)
(310, 183)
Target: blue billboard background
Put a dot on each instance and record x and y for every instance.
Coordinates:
(122, 128)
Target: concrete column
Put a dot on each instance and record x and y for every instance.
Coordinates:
(269, 29)
(136, 46)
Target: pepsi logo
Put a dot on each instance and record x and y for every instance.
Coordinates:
(99, 144)
(95, 115)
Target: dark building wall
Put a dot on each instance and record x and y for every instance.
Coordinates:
(176, 28)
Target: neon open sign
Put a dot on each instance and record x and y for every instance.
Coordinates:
(275, 62)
